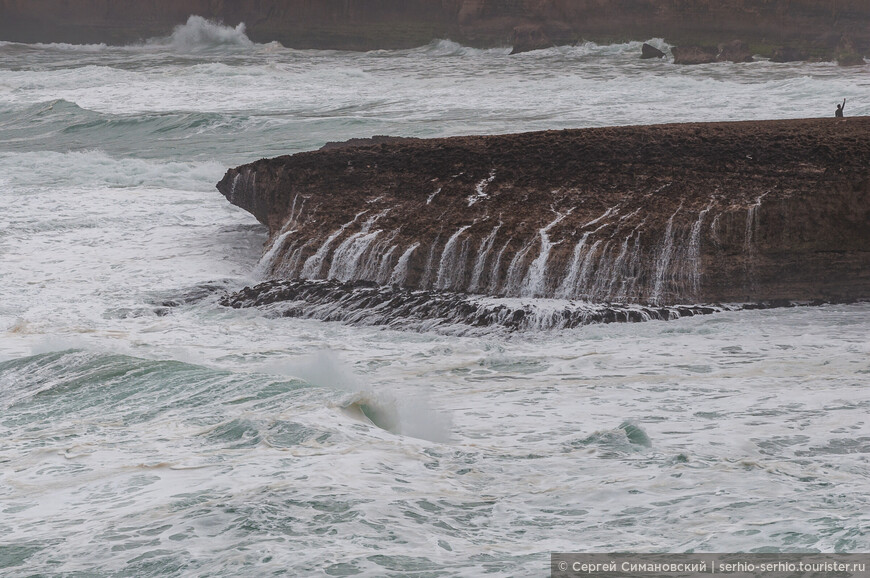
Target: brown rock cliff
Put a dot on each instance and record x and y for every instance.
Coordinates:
(703, 212)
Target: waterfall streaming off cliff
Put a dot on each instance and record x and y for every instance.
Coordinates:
(483, 254)
(695, 250)
(750, 238)
(616, 259)
(400, 273)
(314, 264)
(568, 286)
(353, 253)
(452, 264)
(534, 284)
(268, 262)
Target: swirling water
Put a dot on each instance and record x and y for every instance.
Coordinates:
(149, 431)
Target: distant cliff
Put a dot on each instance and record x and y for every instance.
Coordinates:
(812, 28)
(684, 213)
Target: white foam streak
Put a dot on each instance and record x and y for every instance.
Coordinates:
(400, 272)
(568, 285)
(664, 259)
(314, 265)
(452, 267)
(96, 168)
(482, 255)
(534, 284)
(480, 189)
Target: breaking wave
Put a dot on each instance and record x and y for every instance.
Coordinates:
(98, 168)
(199, 34)
(446, 47)
(61, 125)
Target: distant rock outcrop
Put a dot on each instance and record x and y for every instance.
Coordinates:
(694, 54)
(734, 51)
(529, 37)
(805, 25)
(850, 59)
(847, 54)
(787, 54)
(650, 51)
(688, 213)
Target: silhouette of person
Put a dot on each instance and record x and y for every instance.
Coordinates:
(840, 107)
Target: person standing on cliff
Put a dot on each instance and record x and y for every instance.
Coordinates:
(840, 107)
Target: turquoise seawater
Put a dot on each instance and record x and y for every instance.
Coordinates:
(148, 431)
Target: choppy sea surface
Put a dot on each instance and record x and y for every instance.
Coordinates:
(148, 431)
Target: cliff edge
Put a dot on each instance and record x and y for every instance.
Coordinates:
(682, 213)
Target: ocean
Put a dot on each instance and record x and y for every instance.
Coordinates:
(149, 431)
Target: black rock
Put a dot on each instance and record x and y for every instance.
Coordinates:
(694, 54)
(649, 51)
(529, 37)
(787, 54)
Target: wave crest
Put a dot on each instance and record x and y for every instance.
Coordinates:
(199, 34)
(446, 47)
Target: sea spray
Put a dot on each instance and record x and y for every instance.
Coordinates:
(403, 414)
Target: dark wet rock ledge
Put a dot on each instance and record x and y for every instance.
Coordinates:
(742, 212)
(366, 303)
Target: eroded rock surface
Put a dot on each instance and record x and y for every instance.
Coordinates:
(694, 54)
(683, 213)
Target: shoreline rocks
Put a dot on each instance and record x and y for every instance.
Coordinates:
(734, 51)
(648, 51)
(362, 303)
(787, 54)
(694, 54)
(529, 37)
(805, 26)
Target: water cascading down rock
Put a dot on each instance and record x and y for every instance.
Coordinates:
(745, 212)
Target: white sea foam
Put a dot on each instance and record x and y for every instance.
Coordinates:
(72, 47)
(199, 33)
(96, 168)
(607, 85)
(148, 429)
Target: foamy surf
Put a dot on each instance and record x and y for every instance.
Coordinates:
(199, 34)
(149, 430)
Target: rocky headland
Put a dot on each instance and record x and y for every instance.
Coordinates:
(782, 29)
(740, 212)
